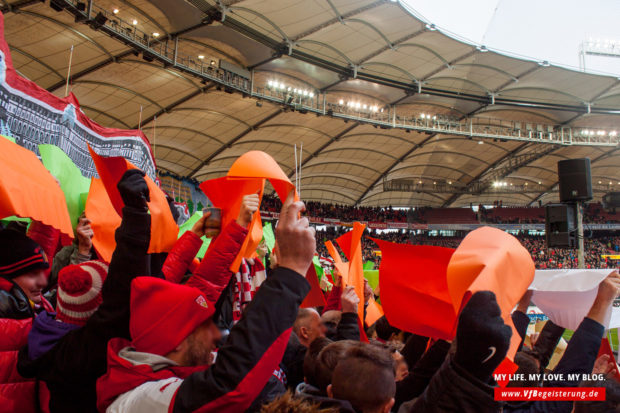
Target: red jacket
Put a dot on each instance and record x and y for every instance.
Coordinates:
(17, 394)
(243, 365)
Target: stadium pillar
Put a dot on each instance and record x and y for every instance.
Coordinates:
(580, 256)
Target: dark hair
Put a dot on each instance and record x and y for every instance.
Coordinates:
(310, 359)
(288, 404)
(365, 378)
(327, 360)
(528, 364)
(611, 402)
(384, 329)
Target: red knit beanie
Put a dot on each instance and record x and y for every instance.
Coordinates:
(163, 314)
(79, 291)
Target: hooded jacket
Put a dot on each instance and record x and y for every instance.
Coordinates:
(17, 394)
(244, 364)
(79, 357)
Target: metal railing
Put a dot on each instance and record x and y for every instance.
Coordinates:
(168, 52)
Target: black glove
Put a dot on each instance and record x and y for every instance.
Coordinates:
(482, 338)
(133, 189)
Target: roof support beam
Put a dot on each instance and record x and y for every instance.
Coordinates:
(392, 166)
(230, 143)
(175, 104)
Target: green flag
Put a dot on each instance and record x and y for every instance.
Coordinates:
(369, 265)
(373, 278)
(270, 238)
(72, 183)
(187, 225)
(317, 266)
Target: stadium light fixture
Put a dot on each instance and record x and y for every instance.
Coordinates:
(480, 143)
(482, 48)
(601, 133)
(431, 27)
(115, 11)
(288, 88)
(212, 62)
(423, 116)
(155, 34)
(544, 63)
(341, 102)
(365, 107)
(599, 182)
(613, 133)
(539, 183)
(311, 94)
(201, 57)
(134, 22)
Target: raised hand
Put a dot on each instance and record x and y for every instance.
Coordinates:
(296, 239)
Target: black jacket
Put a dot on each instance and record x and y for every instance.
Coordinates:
(454, 390)
(421, 374)
(578, 358)
(71, 368)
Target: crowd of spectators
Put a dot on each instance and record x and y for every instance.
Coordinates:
(544, 258)
(499, 214)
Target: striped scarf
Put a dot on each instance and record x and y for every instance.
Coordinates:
(248, 280)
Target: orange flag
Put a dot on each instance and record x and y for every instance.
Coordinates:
(341, 266)
(164, 230)
(414, 290)
(246, 176)
(104, 220)
(355, 273)
(374, 311)
(28, 190)
(491, 259)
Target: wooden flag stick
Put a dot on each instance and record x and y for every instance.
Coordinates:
(69, 72)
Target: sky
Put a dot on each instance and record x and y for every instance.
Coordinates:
(551, 30)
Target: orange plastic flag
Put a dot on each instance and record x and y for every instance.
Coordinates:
(104, 219)
(246, 176)
(374, 311)
(341, 266)
(164, 230)
(414, 290)
(28, 190)
(356, 266)
(315, 297)
(491, 259)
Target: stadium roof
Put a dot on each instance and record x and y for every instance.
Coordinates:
(390, 110)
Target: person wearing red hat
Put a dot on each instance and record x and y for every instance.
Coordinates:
(22, 278)
(71, 367)
(168, 366)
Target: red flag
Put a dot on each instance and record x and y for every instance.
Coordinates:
(315, 297)
(414, 289)
(606, 349)
(344, 241)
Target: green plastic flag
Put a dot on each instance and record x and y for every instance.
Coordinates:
(269, 236)
(369, 265)
(317, 266)
(72, 183)
(373, 277)
(187, 225)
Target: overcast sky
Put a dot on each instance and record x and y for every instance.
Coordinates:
(541, 29)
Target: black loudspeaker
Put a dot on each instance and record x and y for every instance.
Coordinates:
(561, 226)
(611, 200)
(575, 180)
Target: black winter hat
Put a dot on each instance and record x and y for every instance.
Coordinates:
(19, 254)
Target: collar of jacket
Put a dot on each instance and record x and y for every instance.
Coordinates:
(13, 301)
(128, 369)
